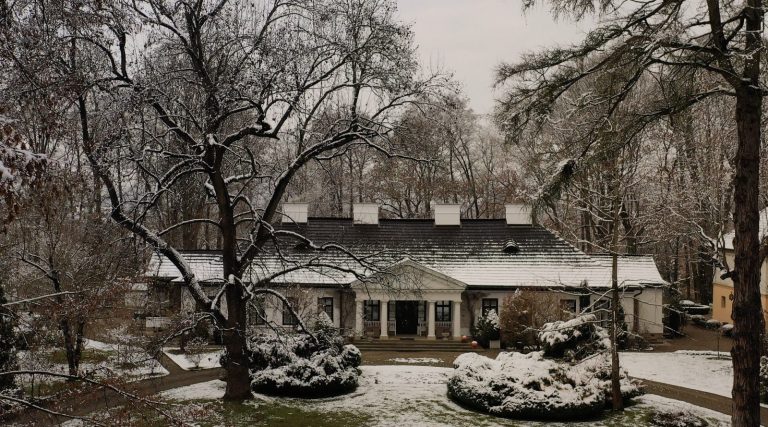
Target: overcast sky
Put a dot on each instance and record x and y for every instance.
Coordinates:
(471, 37)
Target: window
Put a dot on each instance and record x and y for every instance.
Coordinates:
(568, 305)
(490, 304)
(371, 310)
(443, 311)
(325, 304)
(722, 301)
(256, 313)
(603, 312)
(584, 303)
(288, 317)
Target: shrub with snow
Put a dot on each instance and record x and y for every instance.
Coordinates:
(487, 328)
(677, 419)
(713, 324)
(573, 339)
(530, 386)
(303, 366)
(195, 350)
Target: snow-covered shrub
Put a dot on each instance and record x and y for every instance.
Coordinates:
(574, 339)
(764, 379)
(301, 366)
(727, 329)
(713, 324)
(530, 386)
(677, 419)
(195, 349)
(524, 312)
(487, 328)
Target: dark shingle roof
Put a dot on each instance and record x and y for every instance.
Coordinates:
(472, 253)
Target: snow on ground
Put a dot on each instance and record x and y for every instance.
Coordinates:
(670, 405)
(415, 360)
(204, 391)
(400, 395)
(208, 360)
(698, 370)
(125, 362)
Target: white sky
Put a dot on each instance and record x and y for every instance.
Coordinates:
(471, 37)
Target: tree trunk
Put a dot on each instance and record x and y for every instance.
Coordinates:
(617, 402)
(238, 377)
(747, 312)
(235, 339)
(69, 348)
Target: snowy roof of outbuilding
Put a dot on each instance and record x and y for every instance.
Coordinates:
(728, 237)
(472, 253)
(633, 269)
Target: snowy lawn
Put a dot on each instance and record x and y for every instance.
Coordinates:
(208, 359)
(698, 370)
(395, 396)
(98, 359)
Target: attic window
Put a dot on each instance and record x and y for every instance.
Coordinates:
(511, 247)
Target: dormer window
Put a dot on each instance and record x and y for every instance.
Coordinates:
(511, 247)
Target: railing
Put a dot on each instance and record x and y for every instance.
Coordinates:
(446, 325)
(372, 324)
(391, 325)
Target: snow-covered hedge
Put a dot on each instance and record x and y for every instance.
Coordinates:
(530, 386)
(573, 339)
(300, 366)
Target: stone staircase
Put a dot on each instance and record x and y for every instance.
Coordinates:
(405, 345)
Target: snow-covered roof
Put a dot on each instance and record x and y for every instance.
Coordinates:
(472, 253)
(728, 237)
(633, 269)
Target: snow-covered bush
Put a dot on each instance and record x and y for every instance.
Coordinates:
(713, 324)
(195, 349)
(677, 419)
(524, 312)
(573, 339)
(303, 366)
(487, 328)
(764, 379)
(530, 386)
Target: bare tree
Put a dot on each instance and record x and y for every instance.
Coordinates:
(211, 92)
(648, 38)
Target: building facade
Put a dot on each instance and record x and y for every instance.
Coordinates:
(384, 278)
(722, 289)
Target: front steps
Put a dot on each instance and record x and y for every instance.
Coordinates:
(404, 345)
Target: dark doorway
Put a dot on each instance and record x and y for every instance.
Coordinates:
(407, 315)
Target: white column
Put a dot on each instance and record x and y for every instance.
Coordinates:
(384, 305)
(359, 325)
(456, 319)
(431, 320)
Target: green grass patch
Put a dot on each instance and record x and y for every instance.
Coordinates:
(87, 356)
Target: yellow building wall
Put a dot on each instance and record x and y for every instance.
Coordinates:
(721, 302)
(722, 305)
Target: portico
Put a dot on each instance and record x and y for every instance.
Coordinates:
(408, 300)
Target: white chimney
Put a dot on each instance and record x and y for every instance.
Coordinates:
(365, 213)
(447, 214)
(518, 213)
(295, 212)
